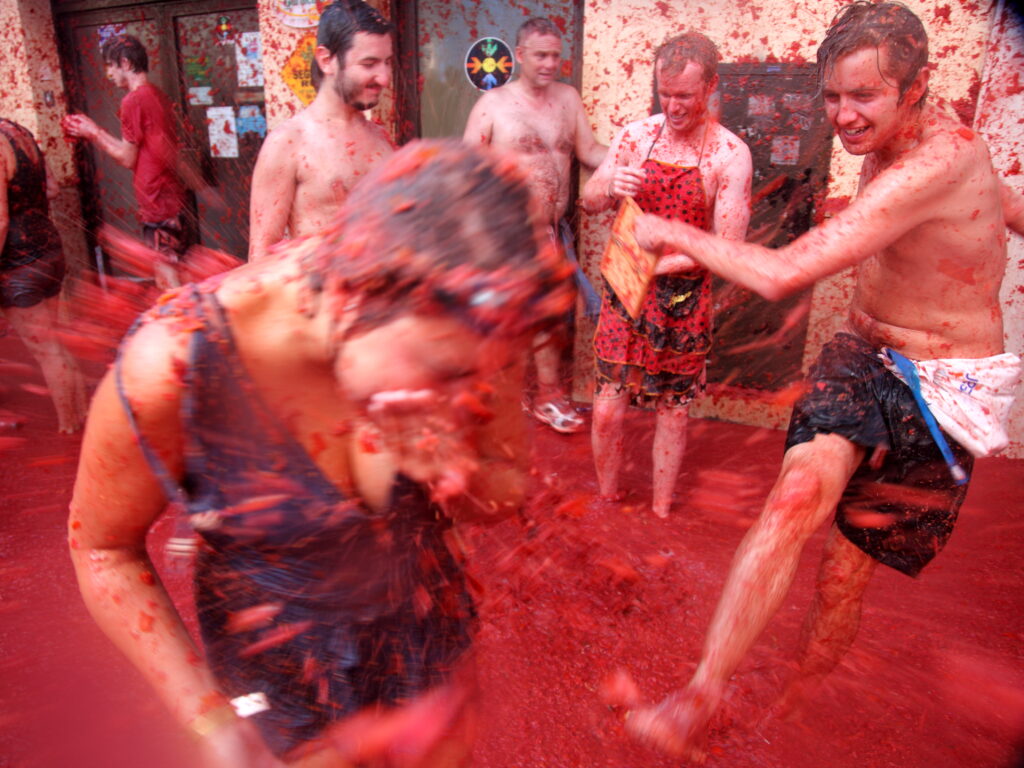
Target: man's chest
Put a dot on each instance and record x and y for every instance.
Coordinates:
(546, 131)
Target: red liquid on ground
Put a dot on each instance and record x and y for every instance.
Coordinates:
(573, 593)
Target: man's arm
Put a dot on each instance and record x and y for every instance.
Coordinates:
(732, 201)
(480, 124)
(731, 207)
(600, 192)
(1013, 207)
(124, 152)
(588, 151)
(273, 192)
(896, 201)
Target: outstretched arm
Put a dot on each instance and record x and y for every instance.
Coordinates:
(899, 199)
(272, 193)
(124, 152)
(731, 207)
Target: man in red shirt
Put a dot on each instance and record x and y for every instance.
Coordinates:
(149, 147)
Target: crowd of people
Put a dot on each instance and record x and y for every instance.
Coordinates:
(330, 412)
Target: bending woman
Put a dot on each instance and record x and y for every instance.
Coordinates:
(323, 415)
(32, 270)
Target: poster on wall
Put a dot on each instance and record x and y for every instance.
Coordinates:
(489, 63)
(296, 72)
(301, 14)
(249, 58)
(223, 131)
(251, 120)
(107, 31)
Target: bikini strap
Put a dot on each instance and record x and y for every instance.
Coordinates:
(171, 486)
(657, 136)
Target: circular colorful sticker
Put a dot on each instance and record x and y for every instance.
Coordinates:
(489, 63)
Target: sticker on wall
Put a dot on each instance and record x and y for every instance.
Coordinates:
(249, 59)
(302, 14)
(785, 150)
(223, 132)
(200, 95)
(296, 71)
(224, 32)
(251, 120)
(489, 63)
(197, 70)
(107, 31)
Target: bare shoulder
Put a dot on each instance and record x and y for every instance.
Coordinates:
(566, 94)
(945, 141)
(728, 142)
(153, 359)
(379, 134)
(279, 146)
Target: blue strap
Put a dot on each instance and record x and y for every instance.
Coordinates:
(909, 371)
(591, 300)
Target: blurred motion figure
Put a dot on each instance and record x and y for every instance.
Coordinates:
(323, 416)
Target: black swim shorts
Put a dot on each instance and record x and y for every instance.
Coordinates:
(25, 286)
(899, 508)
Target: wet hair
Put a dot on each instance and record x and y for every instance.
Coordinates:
(446, 228)
(339, 23)
(128, 48)
(675, 53)
(538, 25)
(887, 26)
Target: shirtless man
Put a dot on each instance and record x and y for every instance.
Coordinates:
(543, 122)
(927, 233)
(683, 164)
(308, 164)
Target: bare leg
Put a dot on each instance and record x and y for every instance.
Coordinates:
(606, 437)
(810, 484)
(669, 447)
(832, 622)
(552, 405)
(37, 328)
(547, 356)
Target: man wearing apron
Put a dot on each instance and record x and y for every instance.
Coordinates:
(680, 164)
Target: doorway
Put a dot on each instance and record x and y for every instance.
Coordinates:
(204, 55)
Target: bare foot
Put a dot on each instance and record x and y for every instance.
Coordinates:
(677, 725)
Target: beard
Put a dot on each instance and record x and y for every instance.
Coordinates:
(348, 89)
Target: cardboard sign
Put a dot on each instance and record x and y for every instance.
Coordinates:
(297, 73)
(626, 266)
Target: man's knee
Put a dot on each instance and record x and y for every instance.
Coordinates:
(795, 501)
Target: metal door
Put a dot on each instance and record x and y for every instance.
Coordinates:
(774, 109)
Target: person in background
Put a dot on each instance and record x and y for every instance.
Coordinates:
(149, 148)
(32, 269)
(309, 164)
(684, 165)
(543, 123)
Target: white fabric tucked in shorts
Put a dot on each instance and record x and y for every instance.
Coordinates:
(970, 399)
